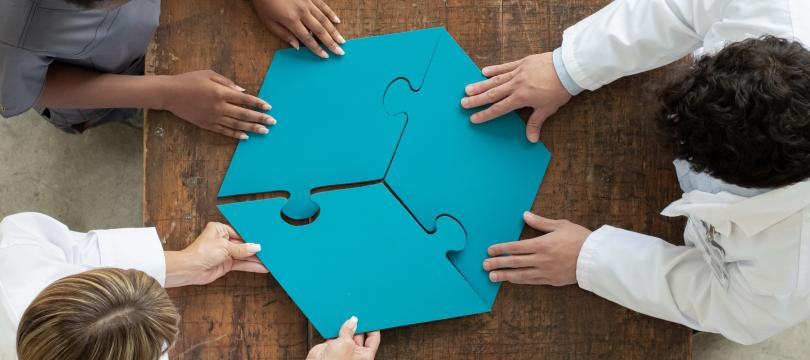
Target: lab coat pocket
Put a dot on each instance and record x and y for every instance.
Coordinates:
(60, 32)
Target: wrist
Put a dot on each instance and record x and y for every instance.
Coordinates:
(162, 92)
(178, 269)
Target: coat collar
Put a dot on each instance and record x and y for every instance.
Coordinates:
(752, 215)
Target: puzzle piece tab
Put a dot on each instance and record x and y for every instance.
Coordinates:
(331, 126)
(483, 175)
(363, 255)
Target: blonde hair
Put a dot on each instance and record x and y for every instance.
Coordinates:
(103, 314)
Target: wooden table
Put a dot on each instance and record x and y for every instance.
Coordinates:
(607, 168)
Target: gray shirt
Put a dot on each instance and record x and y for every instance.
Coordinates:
(36, 33)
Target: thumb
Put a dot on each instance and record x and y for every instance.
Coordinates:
(535, 123)
(540, 223)
(242, 250)
(348, 328)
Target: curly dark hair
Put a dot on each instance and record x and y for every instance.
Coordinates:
(742, 115)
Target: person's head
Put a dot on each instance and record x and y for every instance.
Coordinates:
(100, 314)
(742, 115)
(98, 4)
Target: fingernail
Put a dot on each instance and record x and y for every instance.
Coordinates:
(238, 88)
(253, 248)
(294, 44)
(341, 39)
(336, 19)
(473, 119)
(324, 54)
(243, 136)
(534, 138)
(526, 213)
(493, 277)
(353, 322)
(339, 51)
(269, 120)
(463, 101)
(485, 70)
(486, 264)
(266, 106)
(263, 130)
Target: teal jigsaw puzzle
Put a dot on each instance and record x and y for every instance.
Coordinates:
(330, 130)
(431, 191)
(484, 175)
(364, 255)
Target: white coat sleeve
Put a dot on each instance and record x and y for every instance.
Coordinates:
(675, 283)
(32, 241)
(631, 36)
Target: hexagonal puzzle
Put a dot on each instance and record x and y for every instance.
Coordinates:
(431, 191)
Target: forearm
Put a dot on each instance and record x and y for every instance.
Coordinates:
(69, 86)
(675, 283)
(177, 269)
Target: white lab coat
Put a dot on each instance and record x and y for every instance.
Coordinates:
(36, 250)
(744, 270)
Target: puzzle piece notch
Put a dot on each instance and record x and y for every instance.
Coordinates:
(343, 139)
(365, 256)
(484, 175)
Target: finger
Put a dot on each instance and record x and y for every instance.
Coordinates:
(302, 33)
(532, 281)
(329, 26)
(251, 116)
(540, 223)
(482, 86)
(238, 124)
(242, 251)
(536, 121)
(373, 341)
(217, 128)
(359, 339)
(283, 34)
(498, 109)
(500, 69)
(315, 23)
(348, 328)
(316, 352)
(514, 275)
(232, 234)
(488, 97)
(327, 10)
(249, 266)
(507, 262)
(246, 100)
(511, 248)
(219, 79)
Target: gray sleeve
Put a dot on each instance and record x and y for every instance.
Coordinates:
(22, 76)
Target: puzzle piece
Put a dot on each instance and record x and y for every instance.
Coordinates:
(328, 131)
(363, 255)
(483, 175)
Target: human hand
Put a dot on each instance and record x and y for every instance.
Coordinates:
(299, 20)
(347, 346)
(217, 251)
(550, 259)
(213, 102)
(528, 82)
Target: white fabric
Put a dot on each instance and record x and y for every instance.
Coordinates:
(744, 270)
(631, 36)
(36, 250)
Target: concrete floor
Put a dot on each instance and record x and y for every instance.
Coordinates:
(94, 181)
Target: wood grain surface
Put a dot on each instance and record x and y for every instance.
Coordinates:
(607, 168)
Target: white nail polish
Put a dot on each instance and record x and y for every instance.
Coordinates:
(253, 248)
